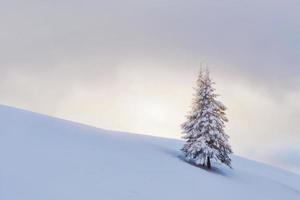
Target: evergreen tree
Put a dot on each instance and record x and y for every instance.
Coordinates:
(203, 131)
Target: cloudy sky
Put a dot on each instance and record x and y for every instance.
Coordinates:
(130, 65)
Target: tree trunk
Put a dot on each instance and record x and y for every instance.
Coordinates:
(208, 162)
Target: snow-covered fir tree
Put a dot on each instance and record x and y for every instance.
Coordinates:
(203, 131)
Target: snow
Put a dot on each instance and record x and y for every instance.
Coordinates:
(47, 158)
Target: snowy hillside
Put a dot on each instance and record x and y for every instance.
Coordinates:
(43, 158)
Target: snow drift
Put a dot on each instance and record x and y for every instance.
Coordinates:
(47, 158)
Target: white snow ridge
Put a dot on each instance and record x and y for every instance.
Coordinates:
(43, 158)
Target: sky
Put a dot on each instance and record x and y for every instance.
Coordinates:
(131, 65)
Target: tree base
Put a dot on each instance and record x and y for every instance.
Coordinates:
(208, 164)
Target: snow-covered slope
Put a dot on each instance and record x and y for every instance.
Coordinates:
(43, 158)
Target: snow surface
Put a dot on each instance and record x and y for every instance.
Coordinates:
(43, 158)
